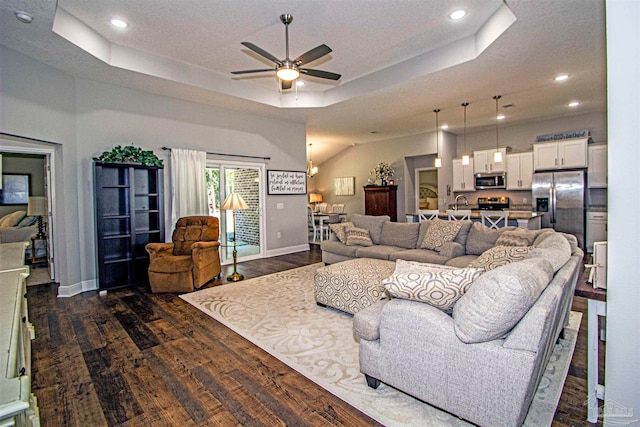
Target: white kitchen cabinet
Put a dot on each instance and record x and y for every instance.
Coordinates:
(597, 170)
(519, 171)
(463, 179)
(596, 228)
(483, 161)
(567, 154)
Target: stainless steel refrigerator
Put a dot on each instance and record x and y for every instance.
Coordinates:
(561, 197)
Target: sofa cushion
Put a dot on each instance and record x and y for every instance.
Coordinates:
(377, 251)
(401, 234)
(335, 247)
(499, 298)
(441, 287)
(555, 248)
(404, 266)
(27, 221)
(517, 237)
(371, 223)
(482, 238)
(358, 237)
(543, 233)
(498, 256)
(461, 261)
(439, 233)
(339, 230)
(420, 255)
(12, 219)
(463, 234)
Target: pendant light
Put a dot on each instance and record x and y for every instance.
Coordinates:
(438, 159)
(311, 170)
(497, 156)
(465, 156)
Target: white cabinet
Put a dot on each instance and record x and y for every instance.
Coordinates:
(567, 154)
(519, 171)
(463, 179)
(597, 171)
(596, 228)
(483, 161)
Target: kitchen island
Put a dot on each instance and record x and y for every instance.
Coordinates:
(525, 219)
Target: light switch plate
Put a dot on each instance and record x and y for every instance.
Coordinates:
(280, 206)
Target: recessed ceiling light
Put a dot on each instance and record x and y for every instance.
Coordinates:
(458, 14)
(24, 17)
(500, 117)
(118, 23)
(299, 83)
(444, 127)
(561, 77)
(574, 104)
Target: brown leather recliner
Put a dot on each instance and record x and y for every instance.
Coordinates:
(191, 261)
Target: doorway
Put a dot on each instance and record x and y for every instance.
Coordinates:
(245, 234)
(19, 151)
(426, 180)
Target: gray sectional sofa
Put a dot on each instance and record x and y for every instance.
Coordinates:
(484, 359)
(396, 240)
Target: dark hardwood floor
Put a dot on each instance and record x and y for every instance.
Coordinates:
(133, 358)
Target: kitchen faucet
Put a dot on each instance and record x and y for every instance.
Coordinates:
(460, 196)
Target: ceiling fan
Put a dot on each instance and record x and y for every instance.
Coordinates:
(288, 70)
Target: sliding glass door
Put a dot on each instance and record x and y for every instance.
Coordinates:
(246, 232)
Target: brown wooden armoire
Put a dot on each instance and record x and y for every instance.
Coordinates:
(381, 200)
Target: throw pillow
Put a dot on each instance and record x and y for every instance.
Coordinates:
(27, 221)
(439, 288)
(499, 299)
(358, 237)
(517, 237)
(438, 233)
(500, 255)
(12, 219)
(371, 223)
(339, 230)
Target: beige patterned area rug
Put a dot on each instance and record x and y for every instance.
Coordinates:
(278, 313)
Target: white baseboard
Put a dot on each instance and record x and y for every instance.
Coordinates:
(287, 250)
(77, 288)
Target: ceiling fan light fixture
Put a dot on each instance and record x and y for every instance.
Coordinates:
(288, 73)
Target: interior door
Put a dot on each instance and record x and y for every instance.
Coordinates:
(246, 232)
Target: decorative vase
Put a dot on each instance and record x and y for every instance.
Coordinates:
(384, 182)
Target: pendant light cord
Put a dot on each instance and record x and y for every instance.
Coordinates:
(497, 97)
(464, 129)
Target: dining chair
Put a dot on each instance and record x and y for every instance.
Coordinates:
(313, 224)
(337, 208)
(495, 218)
(321, 207)
(326, 221)
(427, 214)
(457, 215)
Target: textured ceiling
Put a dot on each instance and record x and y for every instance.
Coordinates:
(399, 59)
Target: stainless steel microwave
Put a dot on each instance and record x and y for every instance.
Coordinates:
(491, 180)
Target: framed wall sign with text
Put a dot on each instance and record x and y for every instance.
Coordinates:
(286, 182)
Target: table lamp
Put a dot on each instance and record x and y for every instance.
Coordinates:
(38, 207)
(234, 202)
(315, 198)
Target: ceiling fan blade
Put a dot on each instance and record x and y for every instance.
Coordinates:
(320, 73)
(262, 70)
(315, 53)
(262, 52)
(286, 84)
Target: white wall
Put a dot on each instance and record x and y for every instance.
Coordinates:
(622, 375)
(100, 116)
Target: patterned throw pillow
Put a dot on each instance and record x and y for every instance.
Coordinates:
(517, 237)
(439, 233)
(339, 230)
(499, 256)
(358, 237)
(439, 288)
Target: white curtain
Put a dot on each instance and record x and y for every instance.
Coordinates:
(188, 185)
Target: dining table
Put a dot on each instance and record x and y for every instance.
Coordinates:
(323, 219)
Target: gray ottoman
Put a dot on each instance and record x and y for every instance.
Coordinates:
(352, 285)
